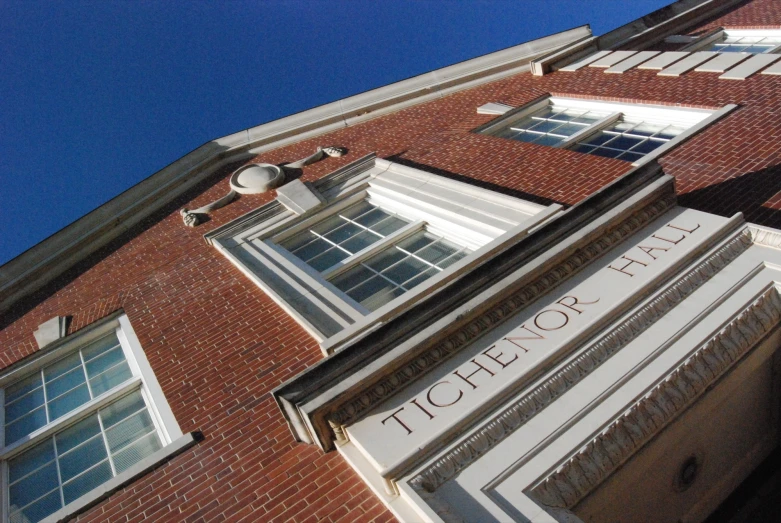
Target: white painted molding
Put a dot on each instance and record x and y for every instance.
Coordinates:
(598, 459)
(47, 260)
(516, 415)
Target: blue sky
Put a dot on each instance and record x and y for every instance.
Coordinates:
(95, 96)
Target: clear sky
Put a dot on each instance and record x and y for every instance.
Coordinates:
(96, 95)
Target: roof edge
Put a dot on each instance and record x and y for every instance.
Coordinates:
(49, 259)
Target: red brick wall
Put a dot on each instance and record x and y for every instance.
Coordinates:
(219, 345)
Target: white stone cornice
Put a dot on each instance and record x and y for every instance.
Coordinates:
(516, 415)
(598, 459)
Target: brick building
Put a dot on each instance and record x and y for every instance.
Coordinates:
(516, 288)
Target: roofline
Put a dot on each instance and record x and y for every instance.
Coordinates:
(50, 258)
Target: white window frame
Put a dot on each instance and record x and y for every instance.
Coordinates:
(708, 40)
(478, 219)
(143, 380)
(694, 120)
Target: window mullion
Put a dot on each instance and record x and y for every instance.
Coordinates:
(373, 249)
(59, 474)
(591, 129)
(45, 397)
(105, 442)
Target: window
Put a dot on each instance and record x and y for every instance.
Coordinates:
(625, 132)
(754, 41)
(78, 417)
(387, 236)
(372, 255)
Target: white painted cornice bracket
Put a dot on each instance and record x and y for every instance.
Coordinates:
(257, 178)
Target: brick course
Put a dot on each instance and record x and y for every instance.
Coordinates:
(219, 345)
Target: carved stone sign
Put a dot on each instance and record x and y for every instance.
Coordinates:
(501, 361)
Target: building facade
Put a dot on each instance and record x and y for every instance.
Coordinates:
(539, 285)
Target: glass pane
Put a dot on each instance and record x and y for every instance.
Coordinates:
(67, 402)
(548, 140)
(77, 434)
(360, 241)
(312, 249)
(105, 361)
(328, 259)
(23, 405)
(545, 126)
(121, 409)
(437, 251)
(86, 482)
(81, 458)
(378, 300)
(354, 212)
(624, 143)
(38, 510)
(99, 346)
(385, 259)
(61, 367)
(32, 487)
(25, 425)
(453, 259)
(328, 225)
(134, 453)
(569, 129)
(416, 242)
(352, 277)
(126, 432)
(389, 225)
(30, 460)
(369, 289)
(598, 139)
(405, 270)
(346, 231)
(372, 217)
(64, 383)
(297, 241)
(21, 388)
(607, 153)
(420, 279)
(647, 146)
(110, 379)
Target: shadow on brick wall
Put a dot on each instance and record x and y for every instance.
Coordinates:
(749, 194)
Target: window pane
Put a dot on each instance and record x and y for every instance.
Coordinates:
(30, 460)
(61, 367)
(355, 276)
(67, 402)
(340, 234)
(25, 425)
(378, 300)
(405, 270)
(121, 409)
(34, 486)
(110, 379)
(328, 259)
(38, 510)
(311, 249)
(80, 485)
(64, 383)
(23, 405)
(437, 251)
(105, 361)
(100, 346)
(129, 430)
(89, 454)
(135, 452)
(22, 387)
(368, 289)
(360, 241)
(389, 225)
(77, 434)
(416, 242)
